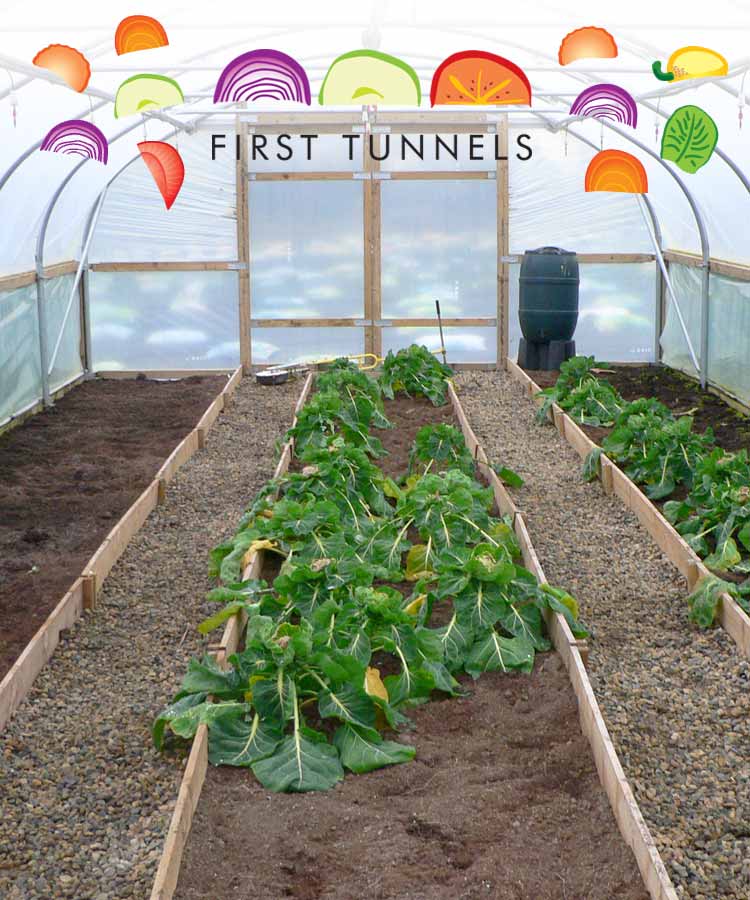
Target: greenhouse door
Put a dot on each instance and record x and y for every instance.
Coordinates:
(349, 256)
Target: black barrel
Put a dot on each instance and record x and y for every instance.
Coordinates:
(548, 298)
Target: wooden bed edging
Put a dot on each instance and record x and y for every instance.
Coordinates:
(19, 678)
(83, 593)
(628, 816)
(556, 623)
(168, 870)
(731, 616)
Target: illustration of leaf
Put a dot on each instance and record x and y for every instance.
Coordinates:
(689, 139)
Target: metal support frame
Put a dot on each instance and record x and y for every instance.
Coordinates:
(587, 76)
(700, 224)
(668, 282)
(657, 241)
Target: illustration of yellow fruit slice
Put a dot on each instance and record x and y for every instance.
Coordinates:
(692, 62)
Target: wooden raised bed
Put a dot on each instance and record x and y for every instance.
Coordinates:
(168, 871)
(614, 481)
(573, 652)
(84, 592)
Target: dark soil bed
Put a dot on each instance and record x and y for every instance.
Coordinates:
(681, 394)
(68, 474)
(502, 801)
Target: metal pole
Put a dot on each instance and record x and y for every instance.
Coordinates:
(86, 301)
(668, 282)
(77, 280)
(658, 278)
(705, 310)
(41, 314)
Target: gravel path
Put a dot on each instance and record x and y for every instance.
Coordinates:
(677, 701)
(85, 801)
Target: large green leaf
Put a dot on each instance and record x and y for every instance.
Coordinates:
(493, 653)
(705, 598)
(205, 676)
(725, 556)
(481, 604)
(456, 638)
(171, 712)
(350, 704)
(414, 682)
(524, 620)
(299, 764)
(274, 698)
(362, 752)
(240, 740)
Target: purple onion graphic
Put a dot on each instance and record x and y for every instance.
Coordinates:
(606, 101)
(263, 75)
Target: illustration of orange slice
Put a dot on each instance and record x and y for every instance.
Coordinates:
(587, 43)
(67, 62)
(139, 33)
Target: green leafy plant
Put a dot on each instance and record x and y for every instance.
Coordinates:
(415, 371)
(705, 599)
(441, 446)
(304, 700)
(654, 448)
(714, 518)
(586, 399)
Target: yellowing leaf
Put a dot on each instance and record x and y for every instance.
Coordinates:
(571, 603)
(374, 685)
(417, 565)
(255, 547)
(415, 605)
(262, 545)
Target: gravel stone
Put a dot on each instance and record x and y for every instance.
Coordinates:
(85, 800)
(676, 700)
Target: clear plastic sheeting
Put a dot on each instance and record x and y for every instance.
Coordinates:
(68, 363)
(439, 242)
(23, 201)
(616, 312)
(549, 207)
(686, 281)
(201, 226)
(20, 372)
(306, 249)
(164, 320)
(462, 344)
(278, 346)
(729, 336)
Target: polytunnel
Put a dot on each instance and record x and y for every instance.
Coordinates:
(90, 250)
(287, 299)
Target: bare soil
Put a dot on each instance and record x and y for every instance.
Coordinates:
(68, 474)
(408, 415)
(503, 800)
